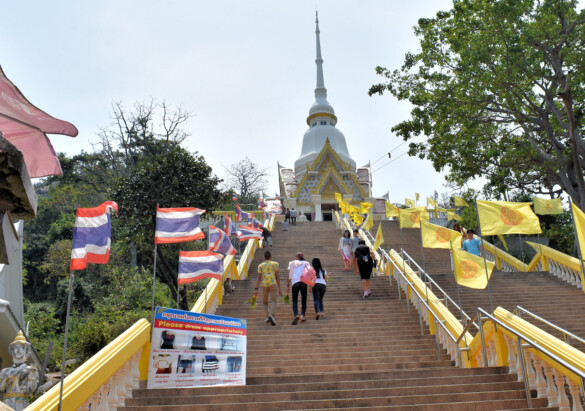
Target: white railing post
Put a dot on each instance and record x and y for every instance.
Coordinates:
(575, 391)
(552, 393)
(562, 400)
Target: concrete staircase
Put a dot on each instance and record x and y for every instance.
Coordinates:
(365, 353)
(538, 292)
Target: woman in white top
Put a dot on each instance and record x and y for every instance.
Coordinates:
(295, 270)
(345, 245)
(319, 288)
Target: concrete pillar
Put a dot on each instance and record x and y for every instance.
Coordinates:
(316, 200)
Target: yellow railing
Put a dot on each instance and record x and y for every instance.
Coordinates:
(212, 295)
(122, 361)
(559, 264)
(503, 260)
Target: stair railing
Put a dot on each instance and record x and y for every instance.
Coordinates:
(212, 296)
(567, 335)
(423, 275)
(540, 360)
(105, 380)
(503, 260)
(441, 322)
(559, 264)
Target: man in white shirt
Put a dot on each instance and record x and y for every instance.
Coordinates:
(295, 270)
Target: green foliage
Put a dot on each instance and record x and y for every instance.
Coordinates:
(499, 92)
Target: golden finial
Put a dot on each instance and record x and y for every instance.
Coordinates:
(19, 338)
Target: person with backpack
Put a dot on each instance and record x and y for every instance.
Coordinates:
(319, 288)
(363, 260)
(295, 271)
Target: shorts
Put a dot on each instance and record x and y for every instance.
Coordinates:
(365, 271)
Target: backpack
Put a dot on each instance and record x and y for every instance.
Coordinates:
(309, 276)
(365, 258)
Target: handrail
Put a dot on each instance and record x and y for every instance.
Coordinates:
(212, 295)
(563, 355)
(503, 260)
(519, 311)
(86, 380)
(559, 264)
(424, 301)
(446, 296)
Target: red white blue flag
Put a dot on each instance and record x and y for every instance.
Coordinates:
(256, 223)
(273, 207)
(260, 203)
(230, 227)
(242, 215)
(196, 265)
(235, 197)
(177, 225)
(220, 242)
(92, 235)
(246, 232)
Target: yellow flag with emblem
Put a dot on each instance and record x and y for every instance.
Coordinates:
(354, 209)
(391, 210)
(411, 217)
(365, 207)
(357, 218)
(409, 202)
(369, 223)
(338, 197)
(453, 216)
(435, 236)
(432, 202)
(470, 269)
(543, 206)
(379, 240)
(459, 202)
(506, 217)
(579, 219)
(344, 207)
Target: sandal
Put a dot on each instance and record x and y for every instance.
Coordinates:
(296, 320)
(303, 318)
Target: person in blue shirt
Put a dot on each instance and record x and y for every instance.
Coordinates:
(472, 245)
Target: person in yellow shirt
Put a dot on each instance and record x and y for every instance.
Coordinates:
(270, 282)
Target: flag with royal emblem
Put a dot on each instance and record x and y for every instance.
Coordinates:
(92, 235)
(435, 236)
(543, 206)
(506, 217)
(470, 270)
(411, 217)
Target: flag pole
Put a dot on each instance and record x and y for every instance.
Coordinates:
(578, 246)
(205, 308)
(458, 292)
(484, 259)
(521, 251)
(153, 283)
(402, 249)
(71, 277)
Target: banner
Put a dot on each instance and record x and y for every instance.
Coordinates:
(470, 269)
(435, 236)
(579, 220)
(194, 350)
(411, 217)
(459, 202)
(505, 217)
(544, 206)
(391, 210)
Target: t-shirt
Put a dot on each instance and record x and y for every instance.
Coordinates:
(285, 226)
(321, 279)
(293, 214)
(472, 246)
(362, 251)
(268, 270)
(355, 241)
(295, 270)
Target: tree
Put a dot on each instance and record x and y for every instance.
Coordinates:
(173, 179)
(247, 179)
(498, 89)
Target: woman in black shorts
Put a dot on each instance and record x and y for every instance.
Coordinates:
(363, 259)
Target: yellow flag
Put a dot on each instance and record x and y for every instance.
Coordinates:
(505, 217)
(459, 202)
(435, 236)
(391, 210)
(417, 196)
(470, 269)
(354, 209)
(365, 207)
(411, 217)
(579, 219)
(338, 197)
(440, 209)
(344, 207)
(368, 224)
(409, 202)
(379, 238)
(503, 240)
(432, 202)
(543, 206)
(453, 216)
(357, 218)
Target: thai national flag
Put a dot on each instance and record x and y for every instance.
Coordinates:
(196, 265)
(260, 203)
(176, 225)
(246, 232)
(220, 242)
(235, 197)
(273, 207)
(266, 214)
(92, 235)
(241, 215)
(230, 227)
(256, 223)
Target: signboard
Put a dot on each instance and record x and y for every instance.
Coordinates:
(194, 350)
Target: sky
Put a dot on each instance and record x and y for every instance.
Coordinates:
(244, 69)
